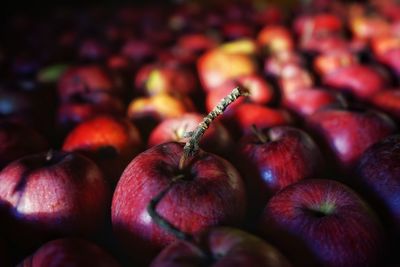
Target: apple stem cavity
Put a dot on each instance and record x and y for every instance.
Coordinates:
(192, 145)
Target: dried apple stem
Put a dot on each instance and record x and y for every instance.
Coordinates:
(192, 145)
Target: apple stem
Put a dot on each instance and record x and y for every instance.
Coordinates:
(160, 220)
(192, 145)
(263, 139)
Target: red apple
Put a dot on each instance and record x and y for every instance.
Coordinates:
(359, 81)
(388, 101)
(196, 43)
(271, 159)
(276, 63)
(294, 78)
(84, 107)
(211, 192)
(17, 140)
(323, 223)
(346, 134)
(52, 194)
(110, 142)
(261, 92)
(225, 247)
(69, 252)
(324, 23)
(85, 80)
(216, 139)
(247, 114)
(306, 102)
(332, 61)
(378, 174)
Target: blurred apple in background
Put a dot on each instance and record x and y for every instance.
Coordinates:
(111, 142)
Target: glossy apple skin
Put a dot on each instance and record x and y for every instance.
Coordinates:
(109, 141)
(216, 139)
(69, 252)
(214, 194)
(246, 115)
(323, 223)
(17, 140)
(361, 82)
(41, 199)
(286, 156)
(306, 102)
(346, 134)
(379, 176)
(226, 246)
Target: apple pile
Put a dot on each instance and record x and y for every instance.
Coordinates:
(240, 133)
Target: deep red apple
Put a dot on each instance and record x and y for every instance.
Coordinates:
(17, 140)
(346, 134)
(196, 42)
(216, 140)
(109, 141)
(323, 223)
(379, 173)
(209, 191)
(388, 101)
(359, 81)
(271, 159)
(69, 252)
(52, 194)
(306, 102)
(225, 247)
